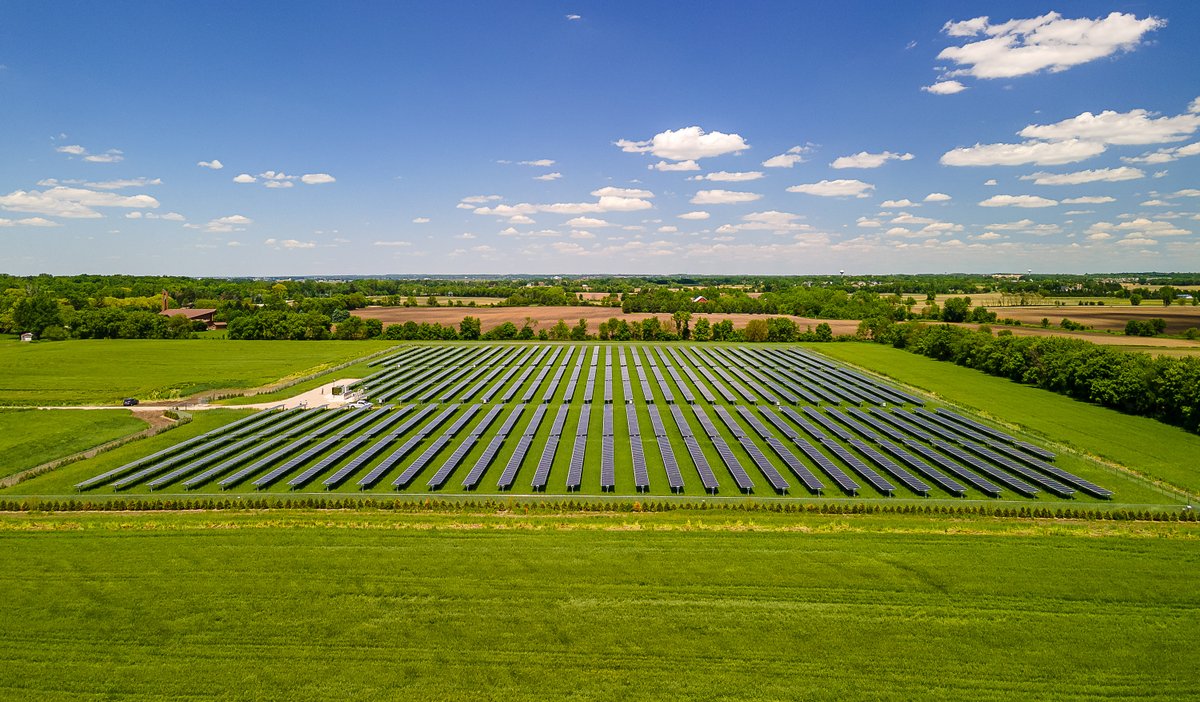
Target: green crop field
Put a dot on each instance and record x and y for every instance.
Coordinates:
(104, 371)
(687, 605)
(30, 438)
(1152, 448)
(1129, 488)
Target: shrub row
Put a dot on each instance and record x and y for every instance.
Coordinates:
(574, 506)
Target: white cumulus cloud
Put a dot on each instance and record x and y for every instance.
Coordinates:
(687, 144)
(788, 158)
(1018, 201)
(864, 159)
(834, 188)
(722, 197)
(214, 164)
(1098, 175)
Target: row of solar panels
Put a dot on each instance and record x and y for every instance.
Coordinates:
(271, 445)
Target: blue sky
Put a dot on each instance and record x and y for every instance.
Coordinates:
(575, 137)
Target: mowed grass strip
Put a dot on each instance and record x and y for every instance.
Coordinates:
(103, 371)
(1151, 448)
(354, 606)
(29, 438)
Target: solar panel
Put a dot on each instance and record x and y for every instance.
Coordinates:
(641, 476)
(907, 479)
(541, 475)
(396, 456)
(1015, 484)
(940, 479)
(509, 475)
(733, 464)
(982, 484)
(193, 446)
(707, 478)
(280, 432)
(845, 482)
(867, 473)
(656, 422)
(685, 429)
(443, 473)
(575, 470)
(1028, 474)
(670, 464)
(541, 377)
(827, 424)
(807, 477)
(803, 423)
(760, 459)
(607, 463)
(569, 393)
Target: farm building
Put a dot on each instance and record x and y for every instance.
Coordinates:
(196, 315)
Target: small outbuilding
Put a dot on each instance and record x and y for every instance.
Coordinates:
(196, 315)
(27, 336)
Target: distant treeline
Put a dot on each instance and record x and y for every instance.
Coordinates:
(1163, 388)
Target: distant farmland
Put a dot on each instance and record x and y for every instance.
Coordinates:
(546, 317)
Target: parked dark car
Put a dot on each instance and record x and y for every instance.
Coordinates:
(129, 401)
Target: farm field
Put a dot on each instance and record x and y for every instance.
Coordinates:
(1149, 447)
(1179, 318)
(365, 605)
(546, 317)
(573, 419)
(29, 438)
(103, 371)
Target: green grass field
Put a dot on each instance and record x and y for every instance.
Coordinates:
(1151, 448)
(104, 371)
(29, 438)
(702, 605)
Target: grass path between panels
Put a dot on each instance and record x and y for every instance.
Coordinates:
(369, 605)
(1149, 447)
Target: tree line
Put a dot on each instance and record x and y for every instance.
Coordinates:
(1162, 388)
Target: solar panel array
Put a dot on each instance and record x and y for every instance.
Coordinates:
(783, 410)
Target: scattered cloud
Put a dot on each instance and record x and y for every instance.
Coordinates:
(214, 164)
(771, 221)
(169, 216)
(28, 222)
(72, 203)
(722, 197)
(229, 223)
(1166, 155)
(687, 144)
(944, 87)
(574, 18)
(1048, 43)
(726, 176)
(834, 188)
(680, 166)
(1105, 175)
(244, 178)
(1155, 203)
(667, 229)
(789, 158)
(937, 197)
(420, 220)
(395, 244)
(1109, 127)
(1041, 153)
(1018, 201)
(990, 182)
(540, 163)
(696, 215)
(1088, 200)
(549, 176)
(317, 178)
(864, 159)
(290, 244)
(589, 223)
(110, 156)
(899, 203)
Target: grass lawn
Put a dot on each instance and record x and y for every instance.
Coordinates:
(701, 605)
(62, 480)
(103, 371)
(29, 438)
(1149, 447)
